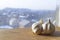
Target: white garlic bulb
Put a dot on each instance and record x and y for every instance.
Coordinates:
(43, 28)
(50, 28)
(37, 27)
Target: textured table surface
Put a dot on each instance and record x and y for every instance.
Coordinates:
(26, 34)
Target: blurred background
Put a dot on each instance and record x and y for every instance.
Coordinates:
(23, 13)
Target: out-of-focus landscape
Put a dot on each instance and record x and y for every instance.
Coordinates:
(22, 17)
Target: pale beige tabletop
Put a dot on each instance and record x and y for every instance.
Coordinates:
(26, 34)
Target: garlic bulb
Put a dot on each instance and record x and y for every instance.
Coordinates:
(43, 28)
(50, 28)
(37, 27)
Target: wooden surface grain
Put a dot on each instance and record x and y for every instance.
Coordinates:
(26, 34)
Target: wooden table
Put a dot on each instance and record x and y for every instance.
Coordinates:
(26, 34)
